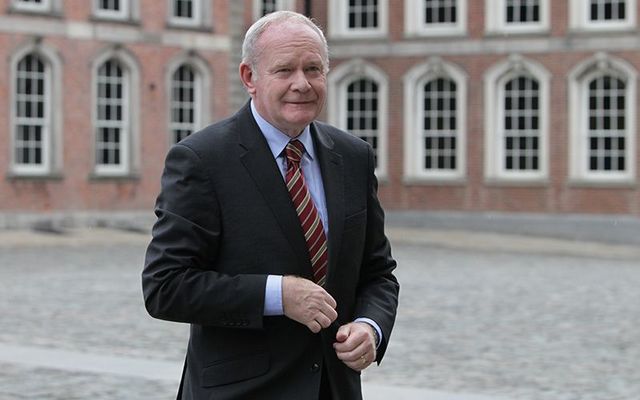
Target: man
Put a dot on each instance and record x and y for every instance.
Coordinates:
(270, 237)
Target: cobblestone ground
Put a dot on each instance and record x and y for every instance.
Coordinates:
(522, 325)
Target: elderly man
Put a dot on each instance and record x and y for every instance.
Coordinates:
(270, 237)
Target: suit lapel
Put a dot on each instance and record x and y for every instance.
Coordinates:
(259, 162)
(333, 182)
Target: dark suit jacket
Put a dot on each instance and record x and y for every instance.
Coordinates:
(226, 221)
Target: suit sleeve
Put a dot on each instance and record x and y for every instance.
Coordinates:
(378, 288)
(179, 280)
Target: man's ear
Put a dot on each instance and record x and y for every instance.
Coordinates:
(246, 76)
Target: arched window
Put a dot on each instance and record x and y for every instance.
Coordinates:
(116, 114)
(362, 111)
(32, 116)
(184, 105)
(435, 121)
(358, 104)
(521, 129)
(602, 115)
(188, 86)
(112, 115)
(516, 128)
(440, 125)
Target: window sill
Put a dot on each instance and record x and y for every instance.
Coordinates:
(517, 182)
(586, 183)
(434, 181)
(17, 176)
(125, 21)
(104, 177)
(199, 28)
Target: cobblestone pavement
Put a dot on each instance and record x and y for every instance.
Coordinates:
(495, 315)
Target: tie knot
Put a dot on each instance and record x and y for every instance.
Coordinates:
(294, 151)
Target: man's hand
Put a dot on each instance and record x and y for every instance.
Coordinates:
(305, 302)
(356, 345)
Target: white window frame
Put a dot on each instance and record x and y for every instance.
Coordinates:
(599, 65)
(494, 85)
(414, 82)
(44, 7)
(579, 17)
(496, 19)
(123, 14)
(339, 21)
(415, 26)
(202, 90)
(338, 81)
(52, 149)
(129, 156)
(196, 20)
(280, 6)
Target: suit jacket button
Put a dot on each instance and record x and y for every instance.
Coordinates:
(315, 367)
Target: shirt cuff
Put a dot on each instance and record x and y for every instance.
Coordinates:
(374, 325)
(273, 296)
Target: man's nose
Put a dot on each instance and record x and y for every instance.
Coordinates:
(300, 81)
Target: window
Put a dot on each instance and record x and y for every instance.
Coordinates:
(111, 150)
(186, 12)
(188, 85)
(264, 7)
(521, 130)
(362, 111)
(611, 10)
(516, 121)
(112, 9)
(32, 144)
(32, 5)
(358, 18)
(358, 104)
(439, 125)
(603, 14)
(435, 121)
(517, 16)
(606, 127)
(602, 104)
(184, 105)
(435, 17)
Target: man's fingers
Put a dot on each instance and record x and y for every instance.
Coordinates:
(307, 303)
(343, 333)
(314, 326)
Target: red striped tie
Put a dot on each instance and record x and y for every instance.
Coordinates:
(307, 212)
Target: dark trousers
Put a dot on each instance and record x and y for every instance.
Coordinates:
(325, 387)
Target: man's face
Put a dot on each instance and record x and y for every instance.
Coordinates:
(288, 85)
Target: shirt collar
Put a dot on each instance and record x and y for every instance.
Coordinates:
(277, 140)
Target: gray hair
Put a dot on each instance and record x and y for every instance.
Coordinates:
(250, 52)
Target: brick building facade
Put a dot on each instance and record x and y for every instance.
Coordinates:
(494, 105)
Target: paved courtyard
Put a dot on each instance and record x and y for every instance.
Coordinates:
(482, 316)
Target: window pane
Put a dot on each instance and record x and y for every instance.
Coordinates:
(110, 121)
(607, 123)
(440, 124)
(440, 11)
(521, 126)
(30, 110)
(362, 111)
(607, 10)
(183, 103)
(363, 14)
